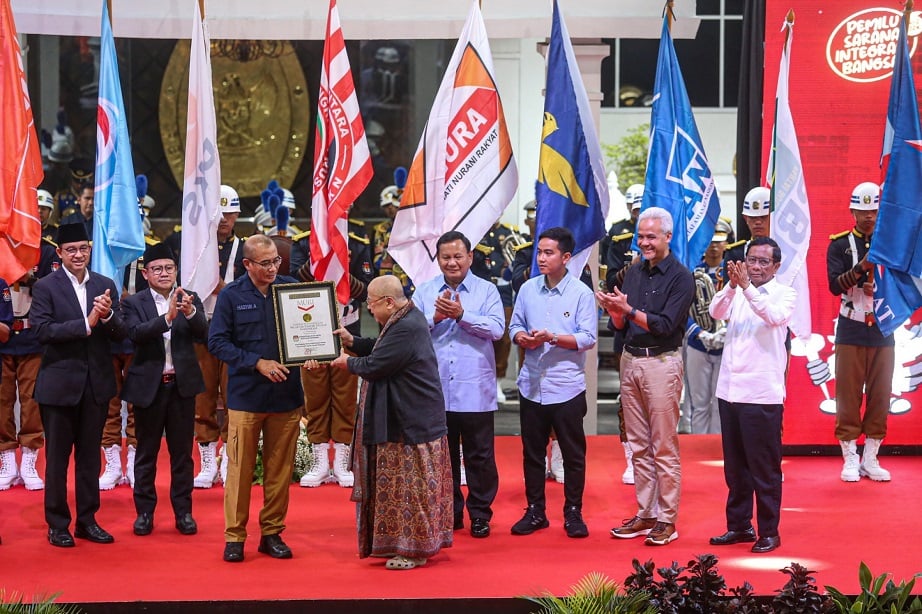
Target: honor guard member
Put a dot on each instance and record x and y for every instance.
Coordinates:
(757, 207)
(208, 428)
(520, 270)
(383, 263)
(620, 237)
(146, 204)
(46, 213)
(329, 394)
(84, 213)
(490, 262)
(864, 357)
(81, 173)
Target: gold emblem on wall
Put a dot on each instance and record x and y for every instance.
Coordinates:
(263, 114)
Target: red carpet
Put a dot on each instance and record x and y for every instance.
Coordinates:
(827, 525)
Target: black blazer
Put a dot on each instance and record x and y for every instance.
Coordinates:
(71, 359)
(145, 329)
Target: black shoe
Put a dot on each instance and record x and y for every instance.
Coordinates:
(766, 544)
(734, 537)
(274, 547)
(94, 533)
(530, 522)
(459, 523)
(233, 552)
(144, 524)
(573, 523)
(185, 524)
(480, 527)
(60, 538)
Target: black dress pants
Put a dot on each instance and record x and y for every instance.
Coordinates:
(474, 432)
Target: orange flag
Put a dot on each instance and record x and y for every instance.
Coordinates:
(20, 160)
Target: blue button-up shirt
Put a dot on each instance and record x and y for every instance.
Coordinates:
(552, 374)
(467, 364)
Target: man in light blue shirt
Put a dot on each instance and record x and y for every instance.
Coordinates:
(465, 316)
(555, 319)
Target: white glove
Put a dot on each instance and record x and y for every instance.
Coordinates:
(706, 339)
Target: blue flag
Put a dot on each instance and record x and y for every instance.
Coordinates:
(897, 240)
(678, 176)
(118, 232)
(572, 190)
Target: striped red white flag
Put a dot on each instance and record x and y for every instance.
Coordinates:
(342, 162)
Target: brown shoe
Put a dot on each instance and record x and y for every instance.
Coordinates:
(661, 534)
(634, 527)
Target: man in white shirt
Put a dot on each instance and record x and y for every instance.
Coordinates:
(751, 390)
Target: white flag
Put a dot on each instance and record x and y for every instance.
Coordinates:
(201, 190)
(463, 174)
(790, 226)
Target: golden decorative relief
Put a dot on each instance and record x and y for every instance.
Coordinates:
(263, 114)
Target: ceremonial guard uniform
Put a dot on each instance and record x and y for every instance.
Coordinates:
(490, 263)
(383, 263)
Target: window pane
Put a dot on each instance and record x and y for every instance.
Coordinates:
(733, 41)
(733, 7)
(700, 62)
(708, 7)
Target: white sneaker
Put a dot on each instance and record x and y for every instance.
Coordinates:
(851, 466)
(112, 474)
(208, 472)
(556, 462)
(224, 463)
(320, 467)
(129, 465)
(341, 472)
(27, 471)
(628, 476)
(9, 472)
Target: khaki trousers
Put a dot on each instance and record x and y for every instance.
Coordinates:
(863, 372)
(21, 370)
(329, 402)
(207, 426)
(112, 431)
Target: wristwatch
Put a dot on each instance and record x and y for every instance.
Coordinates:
(554, 340)
(632, 314)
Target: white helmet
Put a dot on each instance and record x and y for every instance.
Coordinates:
(288, 199)
(391, 196)
(758, 202)
(45, 199)
(866, 197)
(262, 218)
(634, 196)
(230, 202)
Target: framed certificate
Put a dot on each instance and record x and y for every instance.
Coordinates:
(306, 314)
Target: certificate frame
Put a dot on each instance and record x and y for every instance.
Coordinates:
(306, 314)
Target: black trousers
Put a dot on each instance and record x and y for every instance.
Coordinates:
(473, 430)
(175, 416)
(77, 428)
(751, 437)
(566, 419)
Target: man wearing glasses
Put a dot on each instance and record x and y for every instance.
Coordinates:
(263, 397)
(75, 315)
(750, 392)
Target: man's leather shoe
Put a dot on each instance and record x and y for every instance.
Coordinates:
(94, 533)
(480, 527)
(766, 544)
(60, 538)
(233, 552)
(734, 537)
(274, 547)
(186, 525)
(459, 523)
(144, 524)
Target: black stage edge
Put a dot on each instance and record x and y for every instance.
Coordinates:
(829, 450)
(502, 605)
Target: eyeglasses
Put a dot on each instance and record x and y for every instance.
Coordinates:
(159, 269)
(268, 264)
(73, 251)
(759, 261)
(378, 300)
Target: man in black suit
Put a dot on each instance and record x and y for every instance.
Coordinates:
(75, 315)
(161, 383)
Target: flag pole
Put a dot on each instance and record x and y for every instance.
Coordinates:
(907, 12)
(201, 8)
(109, 6)
(789, 23)
(670, 13)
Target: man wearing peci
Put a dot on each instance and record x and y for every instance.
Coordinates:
(161, 383)
(465, 316)
(75, 315)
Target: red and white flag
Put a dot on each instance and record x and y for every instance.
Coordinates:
(463, 174)
(342, 162)
(20, 160)
(201, 189)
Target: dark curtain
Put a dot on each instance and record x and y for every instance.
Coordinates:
(749, 162)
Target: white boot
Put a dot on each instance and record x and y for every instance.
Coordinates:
(628, 476)
(112, 474)
(9, 472)
(27, 470)
(208, 473)
(556, 462)
(850, 470)
(869, 465)
(500, 395)
(320, 468)
(341, 473)
(129, 465)
(224, 463)
(463, 481)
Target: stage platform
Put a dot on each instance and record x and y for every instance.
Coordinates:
(827, 525)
